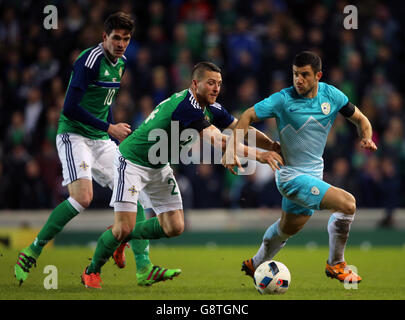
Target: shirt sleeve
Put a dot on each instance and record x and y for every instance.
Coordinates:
(339, 97)
(268, 108)
(222, 118)
(187, 113)
(73, 110)
(84, 72)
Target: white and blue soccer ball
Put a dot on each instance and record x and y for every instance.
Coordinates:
(272, 277)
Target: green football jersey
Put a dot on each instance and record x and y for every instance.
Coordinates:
(100, 79)
(181, 108)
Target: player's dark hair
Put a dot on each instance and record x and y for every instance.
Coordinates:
(119, 20)
(305, 58)
(201, 67)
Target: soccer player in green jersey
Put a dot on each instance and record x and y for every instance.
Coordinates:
(84, 146)
(139, 176)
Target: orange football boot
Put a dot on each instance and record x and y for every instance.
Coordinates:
(91, 280)
(119, 254)
(248, 267)
(342, 272)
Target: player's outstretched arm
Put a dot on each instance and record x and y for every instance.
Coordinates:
(218, 140)
(364, 129)
(262, 140)
(230, 159)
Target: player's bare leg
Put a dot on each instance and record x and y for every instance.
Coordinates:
(124, 223)
(82, 191)
(81, 195)
(343, 205)
(172, 222)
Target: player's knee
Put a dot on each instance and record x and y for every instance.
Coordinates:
(290, 229)
(122, 233)
(174, 230)
(84, 199)
(293, 230)
(349, 206)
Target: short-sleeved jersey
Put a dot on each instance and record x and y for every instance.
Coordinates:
(180, 109)
(303, 126)
(100, 79)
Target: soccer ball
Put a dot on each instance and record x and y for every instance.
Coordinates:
(272, 277)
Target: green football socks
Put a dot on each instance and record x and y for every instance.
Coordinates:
(106, 245)
(148, 229)
(57, 220)
(140, 247)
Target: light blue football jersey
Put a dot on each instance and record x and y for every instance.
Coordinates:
(303, 126)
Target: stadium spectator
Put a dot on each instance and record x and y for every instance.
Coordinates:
(391, 191)
(241, 43)
(141, 72)
(181, 69)
(14, 168)
(158, 46)
(33, 115)
(15, 134)
(34, 193)
(160, 84)
(145, 107)
(46, 67)
(208, 188)
(226, 15)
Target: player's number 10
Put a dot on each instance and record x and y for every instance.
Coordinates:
(109, 97)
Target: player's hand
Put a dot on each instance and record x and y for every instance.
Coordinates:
(273, 158)
(230, 160)
(368, 144)
(119, 131)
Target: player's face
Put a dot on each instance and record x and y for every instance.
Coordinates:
(208, 87)
(116, 42)
(305, 80)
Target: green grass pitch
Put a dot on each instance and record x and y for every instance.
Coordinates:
(209, 274)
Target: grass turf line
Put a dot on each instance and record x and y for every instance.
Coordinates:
(208, 273)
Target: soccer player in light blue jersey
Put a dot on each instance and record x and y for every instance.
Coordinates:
(305, 113)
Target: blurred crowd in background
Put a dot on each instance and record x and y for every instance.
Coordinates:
(253, 42)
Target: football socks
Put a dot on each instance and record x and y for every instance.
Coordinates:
(57, 220)
(273, 241)
(148, 229)
(106, 245)
(140, 247)
(338, 229)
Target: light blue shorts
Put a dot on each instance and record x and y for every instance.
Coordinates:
(303, 194)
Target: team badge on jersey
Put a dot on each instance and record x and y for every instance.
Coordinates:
(315, 191)
(120, 72)
(325, 107)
